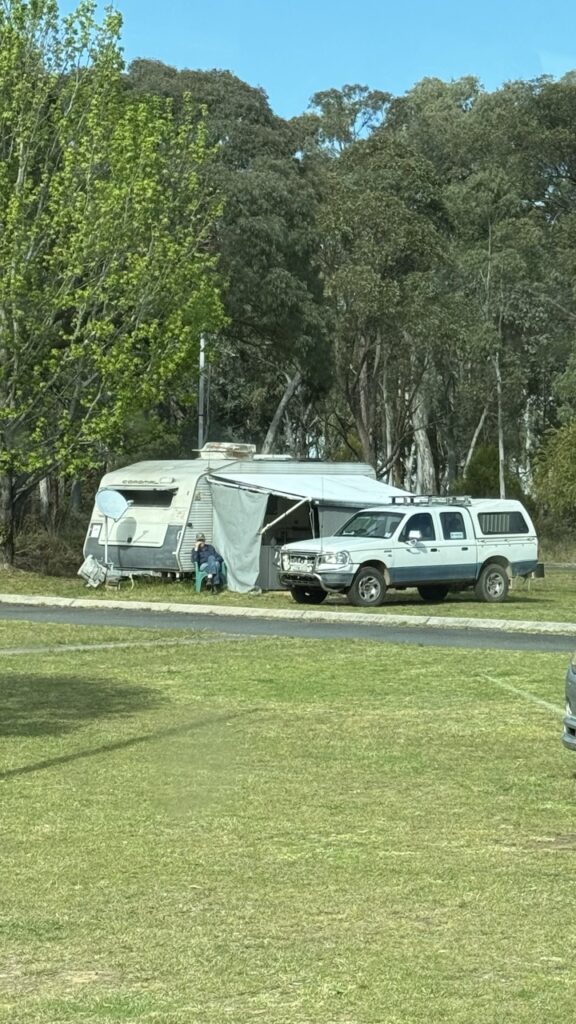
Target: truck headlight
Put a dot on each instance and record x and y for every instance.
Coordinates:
(333, 558)
(285, 561)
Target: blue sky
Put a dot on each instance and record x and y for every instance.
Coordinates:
(293, 48)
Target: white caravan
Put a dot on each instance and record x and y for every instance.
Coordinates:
(247, 505)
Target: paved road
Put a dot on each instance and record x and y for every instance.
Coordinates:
(238, 625)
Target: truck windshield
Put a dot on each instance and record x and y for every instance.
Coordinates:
(371, 524)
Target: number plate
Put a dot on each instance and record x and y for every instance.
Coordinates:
(302, 565)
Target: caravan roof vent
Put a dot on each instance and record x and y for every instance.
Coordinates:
(275, 458)
(227, 450)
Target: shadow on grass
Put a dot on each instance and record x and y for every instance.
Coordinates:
(133, 741)
(34, 705)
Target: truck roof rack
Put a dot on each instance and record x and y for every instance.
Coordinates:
(431, 499)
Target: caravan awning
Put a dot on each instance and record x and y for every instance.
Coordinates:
(240, 501)
(334, 489)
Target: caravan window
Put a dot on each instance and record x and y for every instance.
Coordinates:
(149, 498)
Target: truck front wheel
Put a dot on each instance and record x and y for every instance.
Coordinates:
(492, 584)
(368, 588)
(306, 595)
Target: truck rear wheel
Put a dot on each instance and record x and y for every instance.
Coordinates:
(492, 584)
(368, 588)
(306, 595)
(433, 592)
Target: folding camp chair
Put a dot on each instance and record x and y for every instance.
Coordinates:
(200, 576)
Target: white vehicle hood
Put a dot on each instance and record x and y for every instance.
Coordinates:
(351, 544)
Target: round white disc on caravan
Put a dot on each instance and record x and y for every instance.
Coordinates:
(111, 503)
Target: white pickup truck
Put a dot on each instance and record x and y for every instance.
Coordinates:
(433, 544)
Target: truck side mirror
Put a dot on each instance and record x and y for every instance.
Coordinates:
(414, 536)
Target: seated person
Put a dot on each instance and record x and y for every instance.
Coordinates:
(208, 560)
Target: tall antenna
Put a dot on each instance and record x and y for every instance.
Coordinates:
(202, 393)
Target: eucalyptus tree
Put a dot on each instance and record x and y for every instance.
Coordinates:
(273, 353)
(554, 160)
(383, 252)
(337, 118)
(106, 281)
(543, 140)
(510, 261)
(486, 149)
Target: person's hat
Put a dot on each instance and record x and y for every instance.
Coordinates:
(200, 536)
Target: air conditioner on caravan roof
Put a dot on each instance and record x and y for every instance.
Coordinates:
(227, 450)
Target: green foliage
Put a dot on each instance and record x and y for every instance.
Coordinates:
(388, 277)
(555, 475)
(146, 435)
(106, 279)
(481, 479)
(268, 242)
(340, 117)
(51, 553)
(411, 258)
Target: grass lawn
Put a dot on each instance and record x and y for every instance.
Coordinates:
(552, 599)
(241, 830)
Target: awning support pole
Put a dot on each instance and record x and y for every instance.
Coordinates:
(283, 516)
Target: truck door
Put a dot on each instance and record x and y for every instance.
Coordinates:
(417, 561)
(445, 552)
(457, 546)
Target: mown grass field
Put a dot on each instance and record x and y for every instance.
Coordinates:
(206, 830)
(552, 599)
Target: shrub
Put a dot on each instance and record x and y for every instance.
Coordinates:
(43, 551)
(482, 480)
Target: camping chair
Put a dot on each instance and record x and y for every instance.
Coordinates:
(200, 576)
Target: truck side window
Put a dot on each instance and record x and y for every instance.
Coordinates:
(423, 522)
(453, 527)
(492, 523)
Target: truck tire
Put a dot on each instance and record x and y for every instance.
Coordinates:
(306, 595)
(433, 592)
(492, 584)
(368, 588)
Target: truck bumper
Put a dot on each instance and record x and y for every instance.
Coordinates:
(528, 568)
(330, 582)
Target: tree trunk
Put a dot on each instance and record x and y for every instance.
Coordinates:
(388, 422)
(449, 445)
(425, 468)
(75, 496)
(290, 390)
(360, 371)
(290, 441)
(501, 456)
(45, 500)
(529, 438)
(474, 440)
(408, 481)
(49, 491)
(6, 520)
